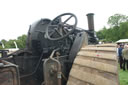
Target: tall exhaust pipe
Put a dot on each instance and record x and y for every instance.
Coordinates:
(90, 21)
(93, 38)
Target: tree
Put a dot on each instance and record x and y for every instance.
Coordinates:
(21, 41)
(118, 29)
(101, 33)
(109, 34)
(10, 44)
(123, 30)
(3, 41)
(116, 19)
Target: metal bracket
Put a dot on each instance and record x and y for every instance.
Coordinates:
(52, 71)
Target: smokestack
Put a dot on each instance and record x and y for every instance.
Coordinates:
(93, 39)
(90, 21)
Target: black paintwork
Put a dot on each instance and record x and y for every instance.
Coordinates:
(38, 48)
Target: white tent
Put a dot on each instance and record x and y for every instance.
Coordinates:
(122, 41)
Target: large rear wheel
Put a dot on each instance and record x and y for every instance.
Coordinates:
(95, 65)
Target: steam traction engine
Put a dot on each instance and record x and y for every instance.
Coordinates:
(51, 47)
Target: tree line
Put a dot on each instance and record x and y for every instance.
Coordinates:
(118, 29)
(20, 41)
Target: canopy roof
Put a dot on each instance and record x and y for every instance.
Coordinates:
(122, 41)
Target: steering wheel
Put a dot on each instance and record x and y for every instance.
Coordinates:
(59, 28)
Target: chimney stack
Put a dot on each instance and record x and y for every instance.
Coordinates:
(90, 21)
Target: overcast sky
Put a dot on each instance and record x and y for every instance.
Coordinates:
(17, 15)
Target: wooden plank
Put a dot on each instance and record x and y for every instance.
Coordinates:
(104, 45)
(99, 48)
(96, 65)
(98, 55)
(92, 78)
(74, 81)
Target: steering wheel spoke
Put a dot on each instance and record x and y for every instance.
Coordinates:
(65, 31)
(59, 33)
(68, 19)
(50, 34)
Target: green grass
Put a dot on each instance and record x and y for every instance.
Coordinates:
(123, 76)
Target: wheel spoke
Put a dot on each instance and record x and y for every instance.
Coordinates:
(65, 30)
(51, 33)
(58, 33)
(67, 19)
(61, 31)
